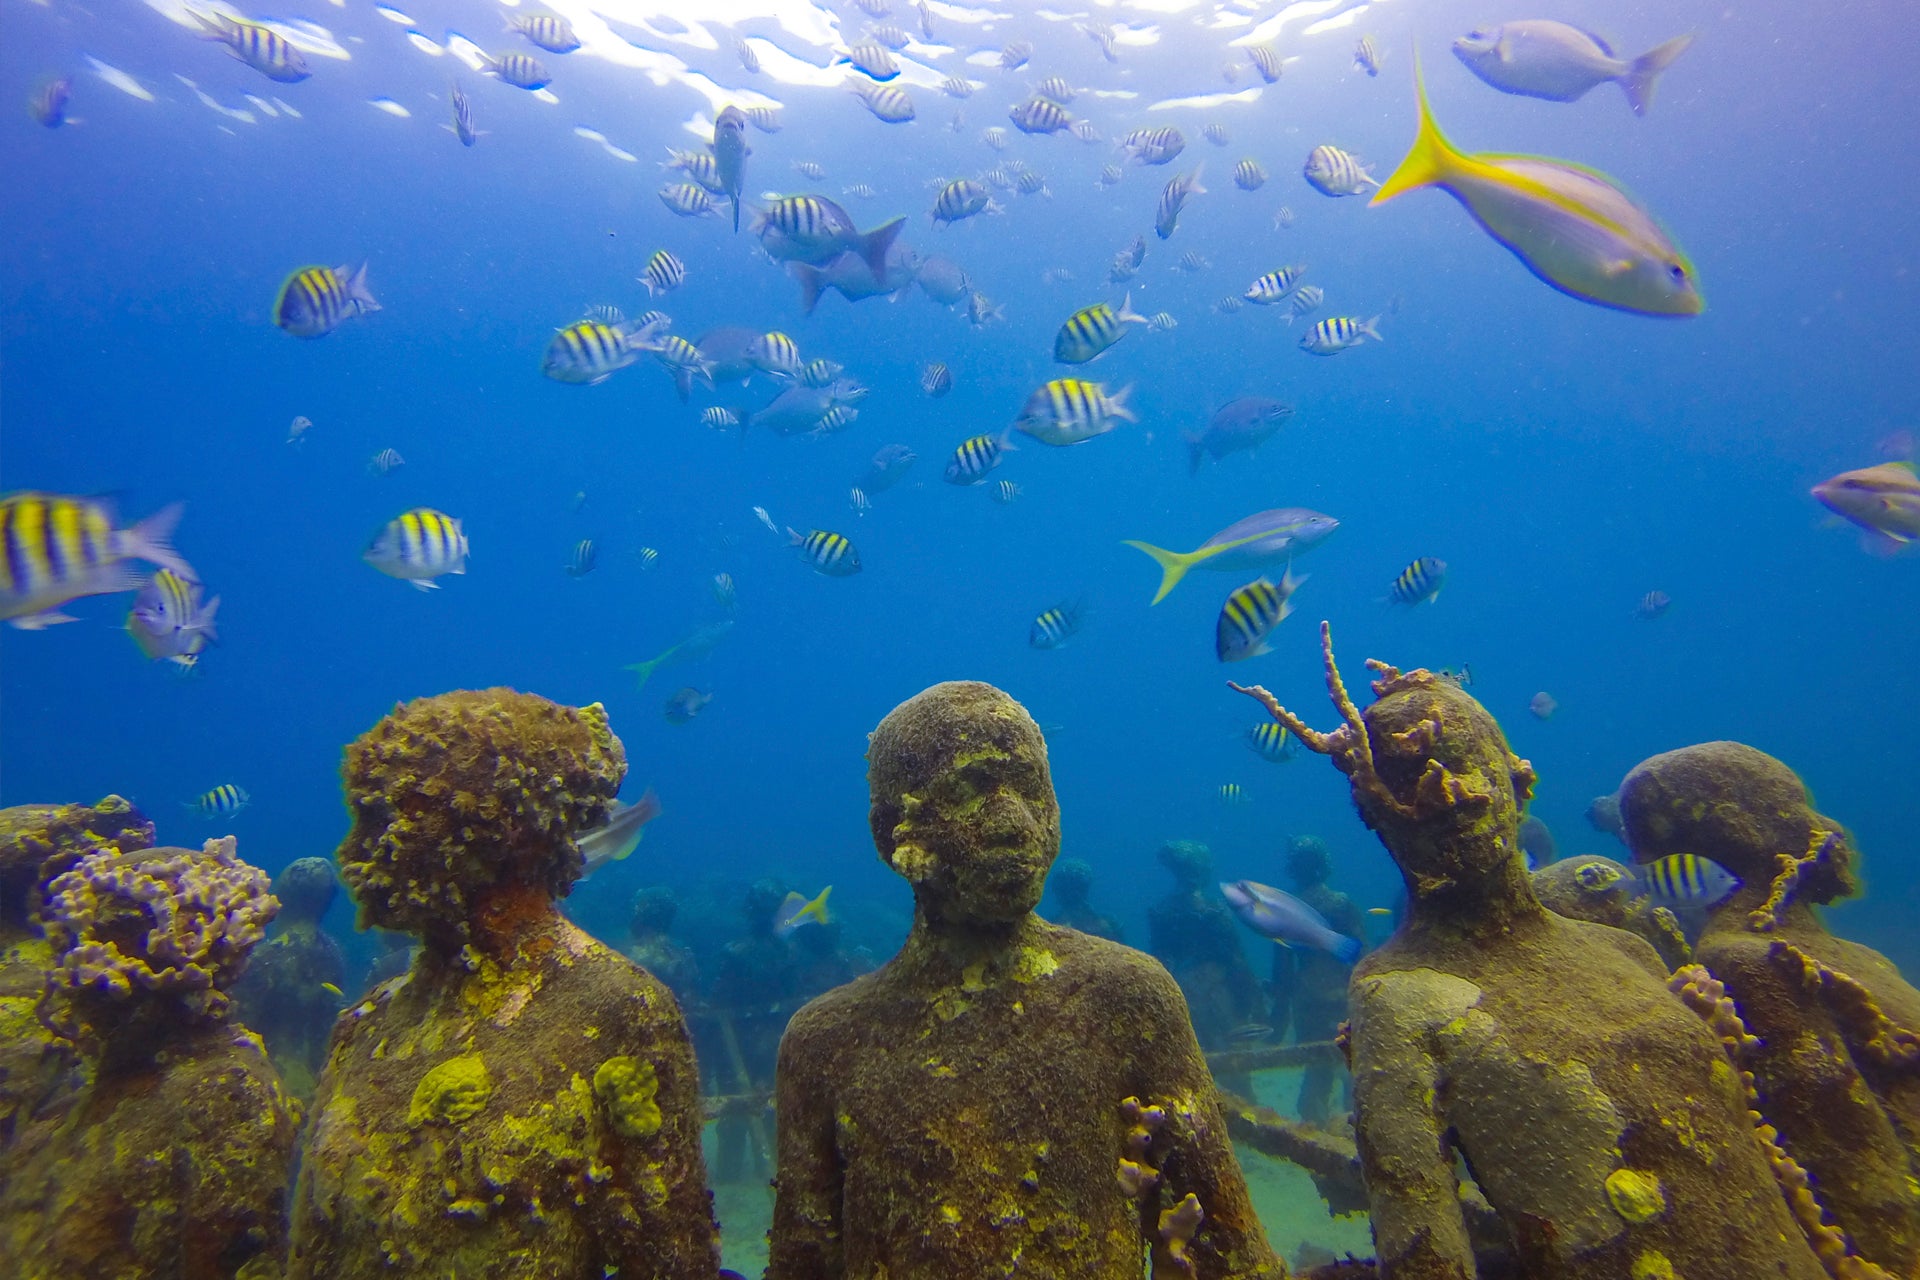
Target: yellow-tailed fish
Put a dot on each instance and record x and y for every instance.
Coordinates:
(1263, 538)
(1571, 226)
(799, 910)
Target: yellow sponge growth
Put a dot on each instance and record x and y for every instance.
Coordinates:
(1653, 1265)
(452, 1093)
(627, 1088)
(1636, 1196)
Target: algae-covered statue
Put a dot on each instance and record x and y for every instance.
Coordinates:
(172, 1162)
(1004, 1097)
(1837, 1063)
(1196, 937)
(1590, 887)
(1071, 884)
(292, 989)
(1546, 1057)
(524, 1101)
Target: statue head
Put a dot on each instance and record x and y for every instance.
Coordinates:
(1309, 862)
(1189, 862)
(962, 803)
(306, 887)
(654, 908)
(1071, 881)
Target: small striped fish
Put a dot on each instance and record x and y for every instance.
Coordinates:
(723, 590)
(871, 58)
(859, 190)
(1090, 331)
(997, 138)
(1039, 115)
(719, 419)
(820, 372)
(585, 557)
(886, 103)
(1652, 605)
(837, 418)
(974, 457)
(223, 801)
(1265, 61)
(263, 49)
(419, 546)
(1333, 172)
(775, 353)
(765, 119)
(546, 31)
(1228, 305)
(1031, 182)
(687, 200)
(810, 169)
(1275, 285)
(1306, 299)
(1366, 56)
(873, 8)
(1336, 334)
(1102, 37)
(1687, 879)
(521, 70)
(890, 36)
(169, 620)
(858, 500)
(1282, 219)
(462, 125)
(1161, 322)
(314, 300)
(59, 548)
(1057, 88)
(648, 557)
(587, 352)
(1233, 793)
(956, 87)
(1271, 742)
(1006, 491)
(664, 273)
(1174, 199)
(1249, 176)
(1250, 615)
(685, 363)
(385, 462)
(1111, 175)
(1154, 146)
(936, 379)
(1015, 55)
(1067, 411)
(1085, 130)
(749, 60)
(1056, 626)
(1216, 134)
(1192, 262)
(701, 166)
(961, 198)
(1419, 582)
(829, 553)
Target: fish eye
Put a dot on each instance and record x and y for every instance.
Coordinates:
(1677, 272)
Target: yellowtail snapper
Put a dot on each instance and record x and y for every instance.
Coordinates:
(263, 49)
(1089, 331)
(59, 548)
(1052, 629)
(1571, 226)
(798, 910)
(545, 31)
(829, 553)
(168, 619)
(314, 300)
(1337, 333)
(223, 801)
(975, 457)
(1271, 742)
(585, 557)
(1250, 615)
(1419, 582)
(1069, 411)
(1261, 539)
(1687, 879)
(419, 546)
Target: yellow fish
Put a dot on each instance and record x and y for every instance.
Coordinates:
(1570, 225)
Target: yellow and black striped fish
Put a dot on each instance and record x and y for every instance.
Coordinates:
(55, 548)
(546, 31)
(263, 49)
(169, 619)
(418, 547)
(1068, 410)
(1419, 582)
(314, 300)
(775, 353)
(1233, 793)
(975, 456)
(1249, 176)
(1056, 626)
(587, 353)
(1687, 879)
(961, 198)
(829, 553)
(223, 801)
(1089, 331)
(1250, 615)
(664, 273)
(1275, 285)
(1271, 741)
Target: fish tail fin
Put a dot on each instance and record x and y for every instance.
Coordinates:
(875, 243)
(1431, 158)
(1372, 329)
(1644, 75)
(1173, 564)
(644, 670)
(794, 537)
(817, 909)
(358, 291)
(811, 280)
(1117, 404)
(1196, 451)
(204, 623)
(1347, 950)
(152, 539)
(1126, 314)
(647, 808)
(683, 383)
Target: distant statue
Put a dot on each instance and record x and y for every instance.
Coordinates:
(1837, 1058)
(1544, 1058)
(523, 1102)
(1072, 885)
(1005, 1097)
(291, 991)
(752, 998)
(653, 947)
(1192, 932)
(1309, 984)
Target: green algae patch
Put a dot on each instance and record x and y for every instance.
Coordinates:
(628, 1088)
(452, 1093)
(1030, 964)
(1636, 1196)
(1653, 1265)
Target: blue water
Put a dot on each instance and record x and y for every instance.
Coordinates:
(1562, 459)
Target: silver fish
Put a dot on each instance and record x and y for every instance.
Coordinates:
(1540, 58)
(730, 152)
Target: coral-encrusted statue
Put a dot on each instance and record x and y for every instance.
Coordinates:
(1590, 887)
(524, 1102)
(1004, 1097)
(291, 992)
(1601, 1119)
(1837, 1058)
(173, 1160)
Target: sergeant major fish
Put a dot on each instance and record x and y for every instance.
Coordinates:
(169, 620)
(1053, 628)
(1172, 200)
(521, 70)
(830, 554)
(1333, 172)
(260, 47)
(222, 801)
(419, 546)
(1068, 411)
(815, 230)
(588, 352)
(1419, 582)
(1250, 615)
(1338, 333)
(55, 548)
(974, 457)
(1540, 58)
(1090, 331)
(314, 300)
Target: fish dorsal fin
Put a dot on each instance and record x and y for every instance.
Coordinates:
(1598, 40)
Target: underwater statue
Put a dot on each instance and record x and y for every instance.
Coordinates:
(1004, 1097)
(1309, 984)
(172, 1162)
(1590, 887)
(753, 989)
(39, 1071)
(524, 1101)
(1196, 937)
(653, 947)
(291, 991)
(1837, 1063)
(1071, 883)
(1543, 1057)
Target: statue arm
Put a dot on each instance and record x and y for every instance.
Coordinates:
(805, 1242)
(1408, 1162)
